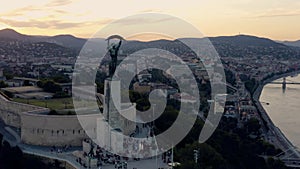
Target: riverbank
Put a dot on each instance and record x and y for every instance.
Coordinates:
(276, 135)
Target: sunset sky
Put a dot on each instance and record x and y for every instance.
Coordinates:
(275, 19)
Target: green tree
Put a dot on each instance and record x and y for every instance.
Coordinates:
(251, 85)
(275, 164)
(61, 78)
(3, 84)
(53, 112)
(26, 83)
(51, 86)
(208, 157)
(253, 126)
(1, 139)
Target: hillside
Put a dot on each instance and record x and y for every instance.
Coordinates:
(34, 49)
(69, 41)
(13, 42)
(292, 43)
(244, 45)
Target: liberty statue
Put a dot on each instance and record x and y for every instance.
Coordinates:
(113, 50)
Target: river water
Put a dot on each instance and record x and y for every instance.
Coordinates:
(283, 107)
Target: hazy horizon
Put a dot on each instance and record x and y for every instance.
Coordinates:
(146, 38)
(273, 19)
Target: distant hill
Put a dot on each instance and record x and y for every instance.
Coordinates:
(292, 43)
(246, 41)
(68, 41)
(17, 44)
(12, 34)
(236, 46)
(245, 45)
(34, 49)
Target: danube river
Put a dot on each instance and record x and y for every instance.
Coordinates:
(283, 107)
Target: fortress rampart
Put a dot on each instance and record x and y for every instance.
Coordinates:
(38, 128)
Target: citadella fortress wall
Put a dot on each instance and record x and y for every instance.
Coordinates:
(51, 130)
(38, 128)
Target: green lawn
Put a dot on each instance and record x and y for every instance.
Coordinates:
(54, 104)
(62, 106)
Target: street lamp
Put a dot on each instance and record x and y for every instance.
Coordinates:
(196, 155)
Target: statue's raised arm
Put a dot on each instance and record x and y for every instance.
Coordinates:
(113, 50)
(119, 45)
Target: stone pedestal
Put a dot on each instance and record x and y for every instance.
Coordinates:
(111, 139)
(112, 102)
(103, 134)
(117, 139)
(112, 127)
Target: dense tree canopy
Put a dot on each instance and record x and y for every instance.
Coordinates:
(14, 158)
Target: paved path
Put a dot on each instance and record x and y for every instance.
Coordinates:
(14, 134)
(144, 164)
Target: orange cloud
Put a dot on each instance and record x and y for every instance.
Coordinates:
(278, 13)
(55, 3)
(53, 24)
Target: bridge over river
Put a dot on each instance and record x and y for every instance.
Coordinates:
(285, 82)
(290, 155)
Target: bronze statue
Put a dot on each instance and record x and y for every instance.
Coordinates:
(113, 50)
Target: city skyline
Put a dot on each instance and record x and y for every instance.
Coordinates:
(276, 20)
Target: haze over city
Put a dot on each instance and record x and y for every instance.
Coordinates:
(274, 19)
